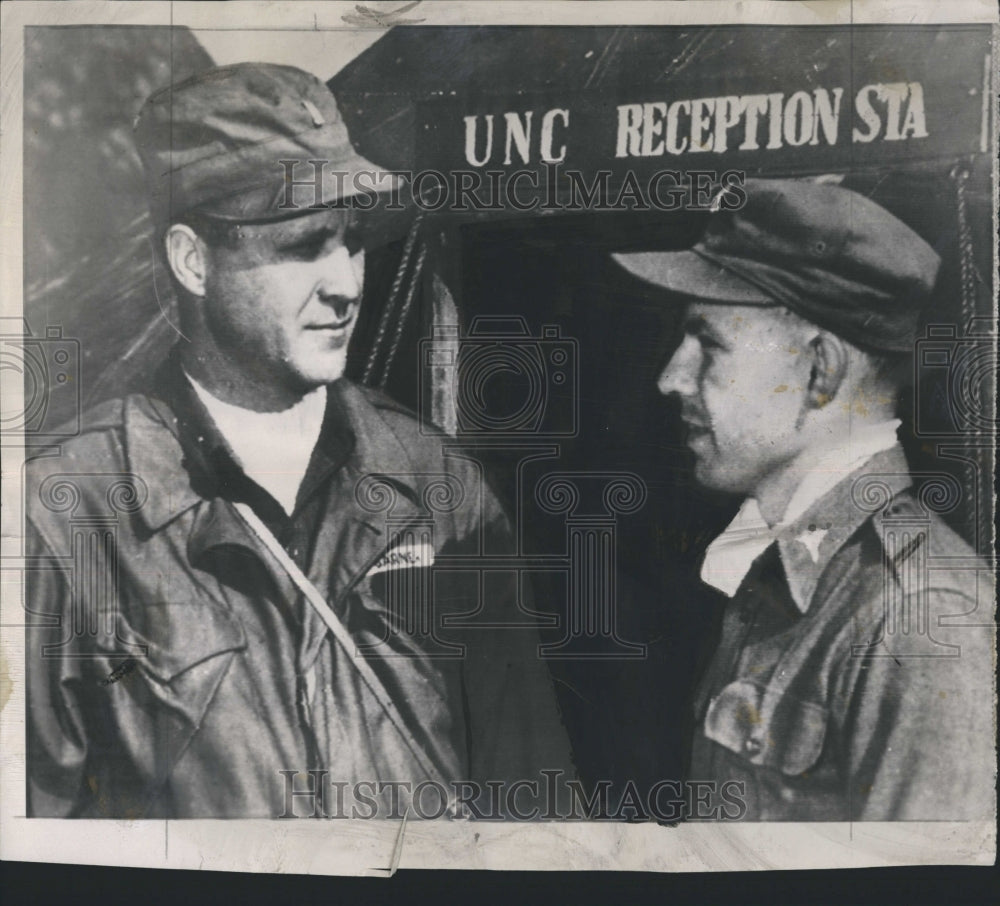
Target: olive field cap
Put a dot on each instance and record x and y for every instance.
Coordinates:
(826, 253)
(215, 143)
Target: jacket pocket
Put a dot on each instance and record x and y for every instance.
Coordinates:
(172, 638)
(767, 727)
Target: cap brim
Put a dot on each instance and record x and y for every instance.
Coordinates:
(689, 274)
(350, 179)
(365, 179)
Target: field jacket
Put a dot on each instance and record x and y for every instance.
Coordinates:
(853, 677)
(174, 670)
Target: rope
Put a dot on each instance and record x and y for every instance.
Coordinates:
(966, 262)
(404, 314)
(967, 281)
(388, 313)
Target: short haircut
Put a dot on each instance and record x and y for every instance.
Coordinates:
(894, 372)
(215, 233)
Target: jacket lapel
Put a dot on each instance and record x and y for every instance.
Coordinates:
(373, 496)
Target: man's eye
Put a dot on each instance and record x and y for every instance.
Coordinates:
(308, 249)
(313, 245)
(353, 241)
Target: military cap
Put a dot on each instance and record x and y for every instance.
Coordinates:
(215, 143)
(836, 258)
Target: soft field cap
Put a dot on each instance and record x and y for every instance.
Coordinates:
(214, 143)
(830, 255)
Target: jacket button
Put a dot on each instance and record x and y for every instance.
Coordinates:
(752, 746)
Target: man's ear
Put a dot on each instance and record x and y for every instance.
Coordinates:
(830, 359)
(187, 256)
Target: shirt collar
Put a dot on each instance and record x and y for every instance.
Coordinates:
(172, 442)
(819, 518)
(729, 557)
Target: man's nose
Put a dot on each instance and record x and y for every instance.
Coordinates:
(679, 374)
(340, 280)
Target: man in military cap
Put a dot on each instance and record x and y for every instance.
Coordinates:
(261, 600)
(852, 677)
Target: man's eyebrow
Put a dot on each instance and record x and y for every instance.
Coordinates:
(696, 325)
(316, 234)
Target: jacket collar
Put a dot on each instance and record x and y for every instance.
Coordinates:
(170, 441)
(809, 543)
(153, 451)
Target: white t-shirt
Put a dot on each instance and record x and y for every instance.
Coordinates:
(273, 448)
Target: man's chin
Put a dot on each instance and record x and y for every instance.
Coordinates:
(705, 476)
(320, 370)
(714, 477)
